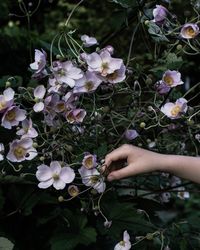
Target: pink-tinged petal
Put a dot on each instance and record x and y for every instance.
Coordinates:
(43, 173)
(67, 174)
(55, 167)
(45, 184)
(115, 64)
(39, 92)
(94, 61)
(31, 153)
(38, 107)
(100, 186)
(34, 66)
(20, 114)
(105, 57)
(26, 143)
(8, 94)
(126, 236)
(59, 184)
(20, 132)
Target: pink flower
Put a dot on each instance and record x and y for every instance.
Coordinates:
(117, 76)
(92, 178)
(189, 30)
(39, 65)
(89, 161)
(27, 129)
(7, 99)
(159, 14)
(131, 134)
(125, 244)
(66, 73)
(54, 175)
(75, 115)
(172, 78)
(12, 117)
(174, 110)
(88, 41)
(21, 150)
(87, 84)
(103, 63)
(162, 88)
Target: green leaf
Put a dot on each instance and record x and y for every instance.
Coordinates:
(6, 244)
(173, 62)
(156, 33)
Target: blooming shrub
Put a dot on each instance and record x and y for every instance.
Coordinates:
(85, 102)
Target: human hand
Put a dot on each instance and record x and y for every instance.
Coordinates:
(138, 161)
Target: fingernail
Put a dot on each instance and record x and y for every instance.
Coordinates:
(110, 178)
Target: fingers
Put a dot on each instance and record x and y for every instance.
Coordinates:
(122, 173)
(119, 153)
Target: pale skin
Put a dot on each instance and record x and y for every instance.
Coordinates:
(140, 161)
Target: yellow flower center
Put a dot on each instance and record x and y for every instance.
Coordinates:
(122, 243)
(175, 110)
(2, 105)
(73, 191)
(190, 32)
(94, 179)
(19, 152)
(60, 106)
(89, 162)
(113, 76)
(89, 85)
(10, 116)
(55, 177)
(168, 80)
(105, 68)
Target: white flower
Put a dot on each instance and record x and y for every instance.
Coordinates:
(12, 117)
(27, 129)
(172, 78)
(174, 110)
(88, 41)
(103, 63)
(189, 30)
(21, 150)
(125, 244)
(66, 73)
(7, 99)
(54, 175)
(92, 178)
(40, 61)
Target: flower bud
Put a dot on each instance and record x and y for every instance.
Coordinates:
(42, 158)
(142, 125)
(35, 145)
(8, 84)
(107, 224)
(179, 47)
(60, 198)
(146, 22)
(149, 236)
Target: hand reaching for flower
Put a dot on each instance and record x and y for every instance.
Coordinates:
(141, 161)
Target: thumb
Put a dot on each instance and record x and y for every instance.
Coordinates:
(122, 173)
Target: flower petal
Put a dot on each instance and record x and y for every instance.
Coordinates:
(45, 184)
(55, 167)
(43, 173)
(67, 174)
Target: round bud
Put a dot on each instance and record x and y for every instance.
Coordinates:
(149, 236)
(146, 22)
(42, 158)
(20, 166)
(139, 144)
(35, 145)
(179, 47)
(142, 125)
(148, 81)
(60, 198)
(190, 122)
(8, 84)
(58, 57)
(148, 140)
